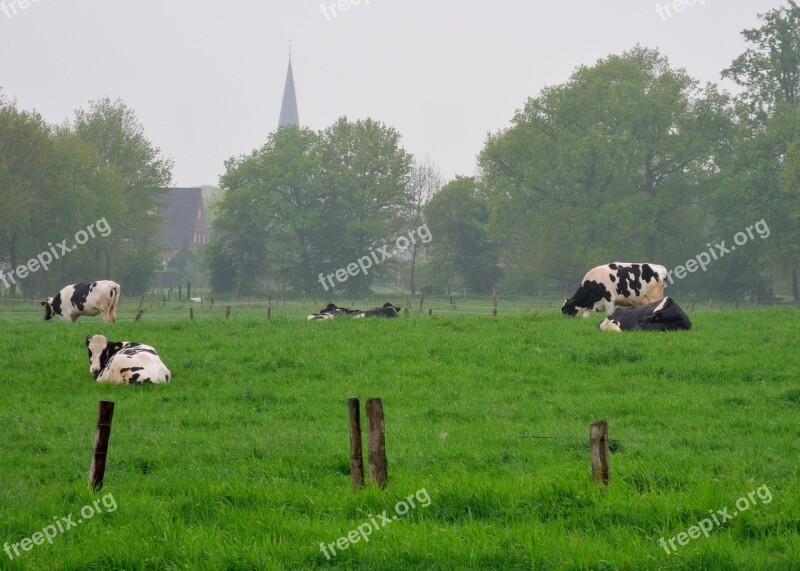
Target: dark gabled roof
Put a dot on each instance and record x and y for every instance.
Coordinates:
(180, 208)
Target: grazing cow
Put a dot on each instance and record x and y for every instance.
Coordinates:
(84, 299)
(388, 310)
(616, 284)
(122, 362)
(664, 315)
(332, 311)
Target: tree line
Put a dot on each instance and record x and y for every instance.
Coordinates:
(630, 159)
(58, 180)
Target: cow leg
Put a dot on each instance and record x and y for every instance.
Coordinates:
(658, 292)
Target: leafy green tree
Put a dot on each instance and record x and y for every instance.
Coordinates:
(761, 180)
(460, 251)
(365, 171)
(609, 166)
(424, 183)
(118, 138)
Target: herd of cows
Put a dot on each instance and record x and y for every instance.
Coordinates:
(631, 295)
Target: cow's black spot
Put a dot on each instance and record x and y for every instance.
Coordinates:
(648, 273)
(629, 280)
(613, 266)
(79, 294)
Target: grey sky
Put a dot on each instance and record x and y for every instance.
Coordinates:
(206, 77)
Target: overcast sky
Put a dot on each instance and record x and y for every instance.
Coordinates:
(206, 77)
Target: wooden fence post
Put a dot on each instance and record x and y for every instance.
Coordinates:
(139, 314)
(598, 442)
(227, 311)
(376, 443)
(494, 299)
(356, 448)
(430, 311)
(191, 314)
(421, 299)
(269, 313)
(212, 304)
(105, 412)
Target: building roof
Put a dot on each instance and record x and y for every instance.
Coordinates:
(289, 114)
(180, 212)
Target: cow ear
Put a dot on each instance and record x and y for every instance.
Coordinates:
(43, 303)
(117, 346)
(88, 340)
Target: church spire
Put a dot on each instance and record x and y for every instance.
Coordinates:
(289, 114)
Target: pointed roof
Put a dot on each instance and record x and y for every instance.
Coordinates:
(289, 114)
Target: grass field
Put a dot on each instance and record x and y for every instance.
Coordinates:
(242, 461)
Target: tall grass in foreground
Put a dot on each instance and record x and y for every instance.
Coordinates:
(242, 461)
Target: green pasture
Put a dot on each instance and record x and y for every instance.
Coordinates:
(242, 461)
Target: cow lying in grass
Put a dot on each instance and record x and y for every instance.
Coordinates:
(88, 299)
(663, 315)
(619, 283)
(123, 362)
(332, 311)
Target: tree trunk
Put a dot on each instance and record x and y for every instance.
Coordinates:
(12, 258)
(795, 286)
(414, 272)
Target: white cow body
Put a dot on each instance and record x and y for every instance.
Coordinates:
(89, 299)
(123, 362)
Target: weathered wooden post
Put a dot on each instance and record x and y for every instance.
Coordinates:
(191, 314)
(376, 443)
(212, 304)
(494, 300)
(269, 313)
(97, 471)
(430, 312)
(598, 442)
(227, 311)
(421, 299)
(356, 448)
(139, 314)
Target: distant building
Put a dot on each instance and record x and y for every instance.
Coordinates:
(289, 115)
(184, 216)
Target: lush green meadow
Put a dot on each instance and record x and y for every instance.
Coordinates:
(242, 461)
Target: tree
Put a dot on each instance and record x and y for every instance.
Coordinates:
(26, 157)
(458, 219)
(611, 165)
(118, 138)
(770, 68)
(424, 183)
(365, 173)
(761, 180)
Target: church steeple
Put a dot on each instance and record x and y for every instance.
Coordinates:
(289, 114)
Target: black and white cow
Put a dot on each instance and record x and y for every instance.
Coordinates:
(332, 311)
(123, 362)
(616, 284)
(87, 299)
(664, 315)
(388, 310)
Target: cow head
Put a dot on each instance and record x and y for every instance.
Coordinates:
(100, 351)
(52, 307)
